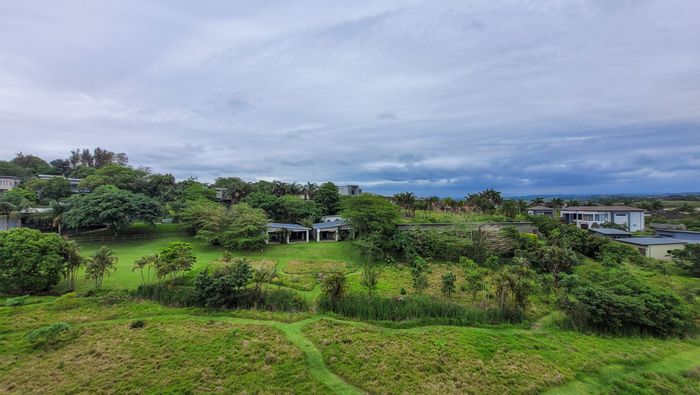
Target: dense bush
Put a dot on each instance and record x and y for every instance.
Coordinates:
(418, 309)
(49, 336)
(167, 294)
(239, 228)
(30, 261)
(618, 302)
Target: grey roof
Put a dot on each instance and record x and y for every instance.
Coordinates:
(690, 232)
(648, 241)
(610, 231)
(540, 208)
(277, 225)
(327, 225)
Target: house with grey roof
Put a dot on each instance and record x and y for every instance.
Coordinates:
(332, 231)
(7, 183)
(610, 232)
(541, 210)
(278, 233)
(657, 247)
(586, 217)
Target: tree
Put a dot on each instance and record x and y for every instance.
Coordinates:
(474, 275)
(102, 262)
(147, 262)
(514, 284)
(368, 213)
(486, 201)
(448, 284)
(126, 178)
(369, 278)
(30, 261)
(174, 259)
(509, 208)
(309, 190)
(240, 227)
(234, 188)
(61, 166)
(112, 207)
(333, 285)
(32, 164)
(420, 280)
(54, 188)
(73, 262)
(407, 201)
(263, 275)
(328, 198)
(12, 169)
(688, 258)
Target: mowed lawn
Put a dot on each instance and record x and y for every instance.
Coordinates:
(129, 251)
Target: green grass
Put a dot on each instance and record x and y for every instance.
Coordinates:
(475, 360)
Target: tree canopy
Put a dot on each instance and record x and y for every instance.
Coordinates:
(30, 261)
(368, 213)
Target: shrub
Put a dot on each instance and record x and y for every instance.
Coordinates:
(48, 336)
(137, 324)
(448, 283)
(613, 254)
(167, 294)
(333, 285)
(16, 302)
(417, 309)
(30, 261)
(618, 302)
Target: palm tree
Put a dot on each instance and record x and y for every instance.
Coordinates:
(71, 254)
(538, 201)
(407, 201)
(433, 202)
(522, 206)
(147, 261)
(309, 190)
(448, 202)
(101, 263)
(556, 203)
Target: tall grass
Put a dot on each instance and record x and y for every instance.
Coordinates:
(169, 295)
(418, 310)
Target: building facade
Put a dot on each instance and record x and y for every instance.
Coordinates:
(7, 183)
(349, 190)
(586, 217)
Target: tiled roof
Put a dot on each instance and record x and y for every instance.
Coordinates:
(601, 208)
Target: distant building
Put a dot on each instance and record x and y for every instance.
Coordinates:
(586, 217)
(610, 232)
(349, 190)
(7, 183)
(287, 233)
(331, 218)
(657, 247)
(541, 210)
(74, 182)
(332, 231)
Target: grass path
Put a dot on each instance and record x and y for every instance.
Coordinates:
(599, 381)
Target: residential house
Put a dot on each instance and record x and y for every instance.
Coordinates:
(541, 210)
(74, 182)
(586, 217)
(7, 183)
(349, 190)
(332, 231)
(610, 232)
(657, 247)
(287, 233)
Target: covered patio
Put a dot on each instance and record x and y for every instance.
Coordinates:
(278, 233)
(332, 231)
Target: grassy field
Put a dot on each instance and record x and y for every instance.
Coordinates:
(194, 350)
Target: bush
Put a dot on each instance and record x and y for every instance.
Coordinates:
(49, 336)
(333, 285)
(30, 261)
(167, 294)
(618, 302)
(137, 324)
(16, 302)
(418, 309)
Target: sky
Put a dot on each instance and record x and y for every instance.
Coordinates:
(434, 97)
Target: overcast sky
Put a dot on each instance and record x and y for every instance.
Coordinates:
(434, 97)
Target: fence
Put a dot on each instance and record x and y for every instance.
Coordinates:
(143, 236)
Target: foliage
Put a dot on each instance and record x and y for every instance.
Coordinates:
(30, 261)
(328, 198)
(613, 254)
(486, 201)
(200, 213)
(553, 259)
(616, 301)
(122, 177)
(369, 277)
(420, 310)
(137, 324)
(475, 276)
(430, 243)
(285, 208)
(514, 284)
(48, 336)
(368, 213)
(239, 228)
(418, 274)
(174, 260)
(74, 261)
(112, 207)
(32, 164)
(148, 262)
(54, 188)
(333, 285)
(688, 258)
(167, 294)
(407, 202)
(263, 275)
(102, 262)
(448, 284)
(17, 301)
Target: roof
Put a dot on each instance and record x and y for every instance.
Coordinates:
(610, 231)
(540, 208)
(328, 225)
(692, 232)
(601, 208)
(277, 225)
(649, 241)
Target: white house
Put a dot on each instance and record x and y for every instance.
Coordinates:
(591, 216)
(332, 231)
(7, 183)
(349, 190)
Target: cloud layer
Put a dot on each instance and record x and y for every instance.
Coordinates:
(438, 97)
